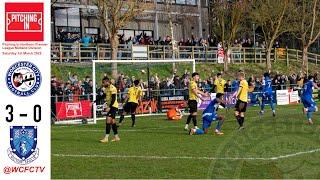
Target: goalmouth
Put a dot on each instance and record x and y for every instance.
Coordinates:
(149, 61)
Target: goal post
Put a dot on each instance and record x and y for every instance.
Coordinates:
(130, 62)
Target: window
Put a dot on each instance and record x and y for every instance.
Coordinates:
(180, 2)
(92, 31)
(191, 2)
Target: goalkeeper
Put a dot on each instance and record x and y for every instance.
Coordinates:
(209, 115)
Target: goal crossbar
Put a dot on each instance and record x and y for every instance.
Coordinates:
(149, 61)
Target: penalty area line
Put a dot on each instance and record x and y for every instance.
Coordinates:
(186, 157)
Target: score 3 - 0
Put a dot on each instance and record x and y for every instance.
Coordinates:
(36, 113)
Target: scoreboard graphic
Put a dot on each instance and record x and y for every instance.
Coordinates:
(24, 81)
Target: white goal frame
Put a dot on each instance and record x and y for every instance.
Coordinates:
(130, 61)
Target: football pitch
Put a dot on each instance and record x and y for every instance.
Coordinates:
(280, 147)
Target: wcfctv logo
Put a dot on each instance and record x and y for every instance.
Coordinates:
(24, 21)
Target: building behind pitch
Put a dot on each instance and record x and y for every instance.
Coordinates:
(190, 17)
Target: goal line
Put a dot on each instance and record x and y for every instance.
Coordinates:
(188, 157)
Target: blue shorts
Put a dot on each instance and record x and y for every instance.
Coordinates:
(308, 102)
(207, 120)
(267, 96)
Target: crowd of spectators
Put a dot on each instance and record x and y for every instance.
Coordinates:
(72, 90)
(75, 89)
(144, 39)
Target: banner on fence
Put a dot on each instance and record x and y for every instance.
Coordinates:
(282, 97)
(147, 106)
(230, 99)
(171, 102)
(293, 97)
(289, 96)
(73, 110)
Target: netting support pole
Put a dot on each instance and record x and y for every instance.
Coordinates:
(94, 94)
(194, 65)
(148, 74)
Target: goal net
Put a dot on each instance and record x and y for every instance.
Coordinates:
(163, 83)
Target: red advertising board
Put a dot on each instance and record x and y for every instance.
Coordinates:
(73, 110)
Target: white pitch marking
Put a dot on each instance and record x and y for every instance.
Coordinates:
(186, 157)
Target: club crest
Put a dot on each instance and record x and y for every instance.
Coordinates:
(23, 78)
(23, 144)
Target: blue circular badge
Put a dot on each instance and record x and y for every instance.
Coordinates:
(23, 78)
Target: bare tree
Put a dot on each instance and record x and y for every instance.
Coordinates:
(168, 9)
(229, 19)
(307, 25)
(114, 15)
(273, 16)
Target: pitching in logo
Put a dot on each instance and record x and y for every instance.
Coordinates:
(24, 21)
(23, 78)
(23, 144)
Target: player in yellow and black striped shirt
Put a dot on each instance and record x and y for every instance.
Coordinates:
(132, 101)
(194, 94)
(112, 108)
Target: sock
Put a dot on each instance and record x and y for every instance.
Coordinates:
(242, 121)
(309, 115)
(189, 119)
(219, 125)
(194, 120)
(121, 118)
(114, 129)
(133, 118)
(272, 106)
(239, 120)
(108, 128)
(199, 131)
(262, 105)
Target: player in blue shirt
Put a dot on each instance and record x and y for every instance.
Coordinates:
(309, 105)
(267, 95)
(209, 115)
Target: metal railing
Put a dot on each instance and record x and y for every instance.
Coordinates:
(77, 52)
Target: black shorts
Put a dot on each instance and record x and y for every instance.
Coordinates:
(112, 112)
(241, 106)
(130, 107)
(193, 106)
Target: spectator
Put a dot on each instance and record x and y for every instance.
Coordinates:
(228, 86)
(73, 79)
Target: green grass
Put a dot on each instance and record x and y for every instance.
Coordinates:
(155, 136)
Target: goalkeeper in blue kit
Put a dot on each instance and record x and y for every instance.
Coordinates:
(209, 115)
(267, 95)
